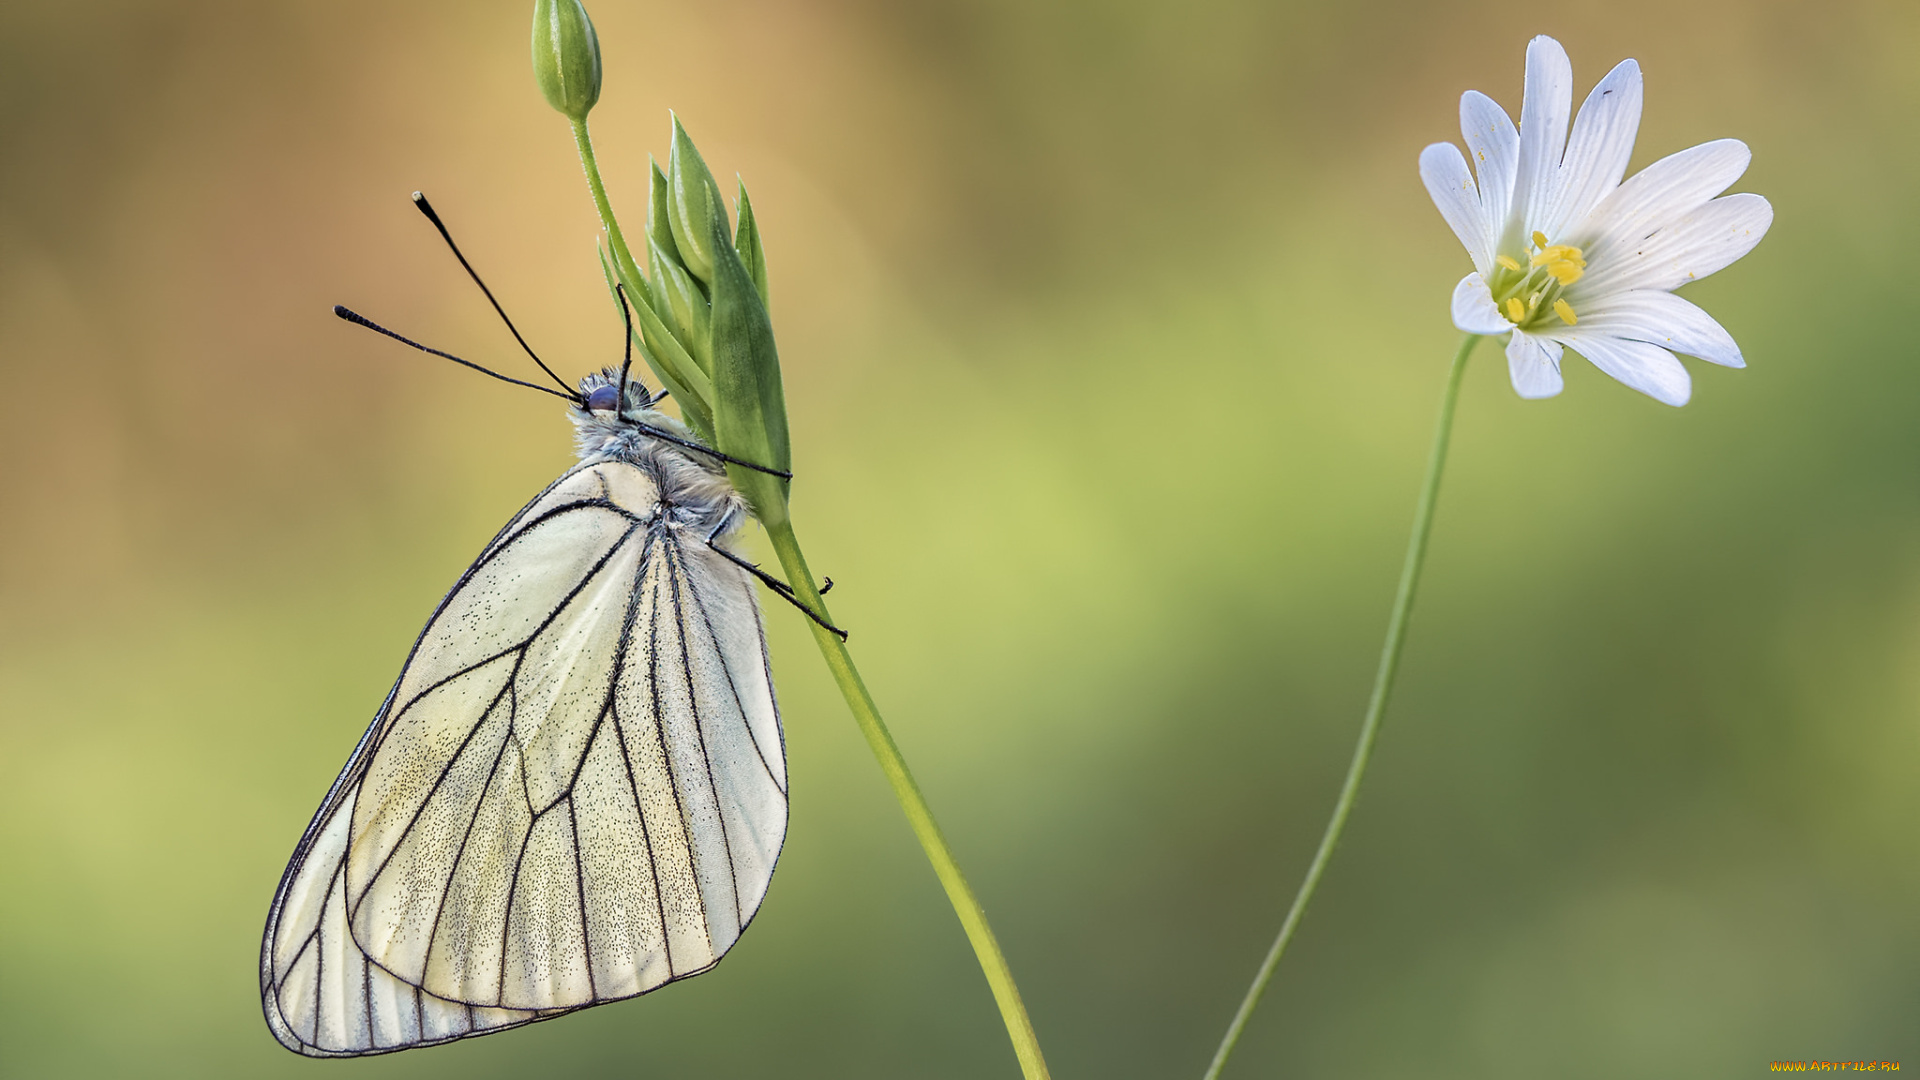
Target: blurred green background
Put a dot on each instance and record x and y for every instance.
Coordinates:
(1112, 334)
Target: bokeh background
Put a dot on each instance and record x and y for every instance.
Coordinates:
(1112, 334)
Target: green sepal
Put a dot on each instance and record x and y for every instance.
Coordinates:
(694, 207)
(659, 227)
(685, 310)
(685, 382)
(746, 244)
(750, 409)
(566, 57)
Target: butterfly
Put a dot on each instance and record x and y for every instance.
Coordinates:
(576, 791)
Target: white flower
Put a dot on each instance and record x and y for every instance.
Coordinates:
(1565, 255)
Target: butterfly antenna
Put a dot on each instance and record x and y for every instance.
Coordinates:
(355, 317)
(626, 361)
(420, 200)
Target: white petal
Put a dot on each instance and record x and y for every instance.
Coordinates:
(1649, 369)
(1598, 149)
(1663, 192)
(1445, 173)
(1534, 365)
(1698, 244)
(1494, 146)
(1543, 126)
(1666, 320)
(1474, 310)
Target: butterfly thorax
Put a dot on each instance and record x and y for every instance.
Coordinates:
(693, 489)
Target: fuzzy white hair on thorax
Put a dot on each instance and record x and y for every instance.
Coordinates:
(693, 486)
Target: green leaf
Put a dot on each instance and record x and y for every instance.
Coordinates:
(685, 310)
(659, 201)
(685, 382)
(749, 405)
(695, 207)
(746, 244)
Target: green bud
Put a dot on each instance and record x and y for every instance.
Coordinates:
(566, 57)
(749, 406)
(683, 303)
(746, 243)
(688, 384)
(694, 207)
(685, 309)
(659, 228)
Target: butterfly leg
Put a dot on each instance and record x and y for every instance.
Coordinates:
(781, 588)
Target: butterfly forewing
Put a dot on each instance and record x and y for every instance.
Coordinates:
(575, 793)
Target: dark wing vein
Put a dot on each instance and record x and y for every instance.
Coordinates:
(580, 881)
(674, 563)
(733, 685)
(513, 885)
(626, 759)
(512, 679)
(766, 664)
(666, 761)
(320, 951)
(453, 759)
(548, 621)
(493, 770)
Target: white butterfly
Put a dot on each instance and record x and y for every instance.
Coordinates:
(577, 790)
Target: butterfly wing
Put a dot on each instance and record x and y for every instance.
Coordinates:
(575, 793)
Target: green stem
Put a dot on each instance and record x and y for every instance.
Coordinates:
(1376, 705)
(622, 256)
(1026, 1045)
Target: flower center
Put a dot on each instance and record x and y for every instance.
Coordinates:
(1527, 291)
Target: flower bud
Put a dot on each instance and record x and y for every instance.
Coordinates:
(746, 242)
(684, 308)
(566, 57)
(749, 406)
(694, 207)
(659, 227)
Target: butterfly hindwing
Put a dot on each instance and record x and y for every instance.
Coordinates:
(576, 792)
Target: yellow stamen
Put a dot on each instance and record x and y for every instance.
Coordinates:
(1565, 311)
(1539, 239)
(1515, 310)
(1565, 273)
(1507, 261)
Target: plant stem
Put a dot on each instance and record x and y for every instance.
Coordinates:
(1376, 705)
(1026, 1045)
(622, 256)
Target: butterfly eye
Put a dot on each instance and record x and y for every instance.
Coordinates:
(604, 399)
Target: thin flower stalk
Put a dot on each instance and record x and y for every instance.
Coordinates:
(1376, 707)
(1566, 255)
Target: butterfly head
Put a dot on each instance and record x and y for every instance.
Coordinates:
(608, 423)
(604, 398)
(600, 400)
